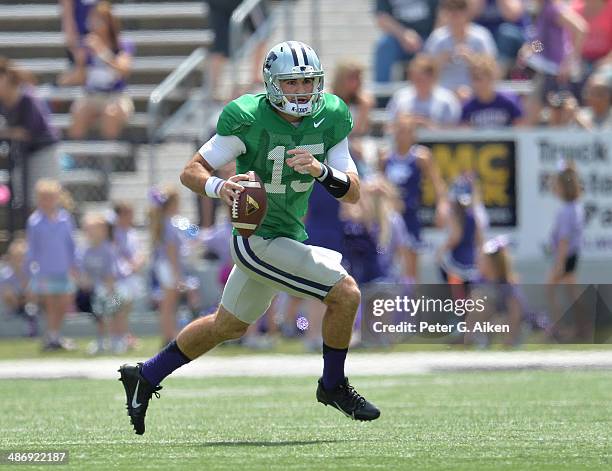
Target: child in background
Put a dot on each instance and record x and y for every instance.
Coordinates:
(169, 255)
(382, 210)
(489, 108)
(457, 256)
(14, 281)
(498, 285)
(566, 240)
(375, 243)
(406, 168)
(98, 274)
(130, 261)
(566, 235)
(215, 237)
(374, 234)
(51, 260)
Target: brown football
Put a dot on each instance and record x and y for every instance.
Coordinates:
(249, 209)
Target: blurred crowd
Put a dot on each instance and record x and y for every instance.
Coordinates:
(453, 55)
(105, 271)
(457, 50)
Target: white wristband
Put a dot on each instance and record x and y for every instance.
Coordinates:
(213, 186)
(324, 174)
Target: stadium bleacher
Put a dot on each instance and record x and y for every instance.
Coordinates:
(164, 34)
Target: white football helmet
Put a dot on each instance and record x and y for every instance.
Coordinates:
(293, 60)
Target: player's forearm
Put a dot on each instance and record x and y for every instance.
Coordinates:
(195, 174)
(352, 196)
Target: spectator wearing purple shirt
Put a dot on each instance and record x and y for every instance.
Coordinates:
(75, 28)
(566, 236)
(51, 259)
(489, 108)
(554, 51)
(391, 233)
(25, 121)
(108, 66)
(457, 257)
(14, 280)
(497, 284)
(406, 168)
(376, 239)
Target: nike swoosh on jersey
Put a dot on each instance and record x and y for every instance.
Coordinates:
(316, 125)
(136, 404)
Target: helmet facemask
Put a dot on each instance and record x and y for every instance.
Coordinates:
(297, 104)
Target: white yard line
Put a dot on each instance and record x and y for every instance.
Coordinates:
(358, 364)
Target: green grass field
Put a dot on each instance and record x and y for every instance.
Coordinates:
(529, 420)
(22, 348)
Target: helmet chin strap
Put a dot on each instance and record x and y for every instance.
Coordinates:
(296, 109)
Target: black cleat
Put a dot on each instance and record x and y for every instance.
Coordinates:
(138, 392)
(348, 401)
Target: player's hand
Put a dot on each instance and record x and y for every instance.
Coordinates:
(303, 162)
(231, 188)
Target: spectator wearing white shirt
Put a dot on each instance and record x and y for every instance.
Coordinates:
(429, 104)
(598, 98)
(454, 44)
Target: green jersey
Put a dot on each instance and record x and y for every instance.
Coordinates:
(267, 138)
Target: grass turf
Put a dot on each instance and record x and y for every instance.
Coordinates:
(22, 348)
(529, 420)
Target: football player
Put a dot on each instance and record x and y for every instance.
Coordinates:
(294, 136)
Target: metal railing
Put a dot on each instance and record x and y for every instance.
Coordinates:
(159, 96)
(285, 11)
